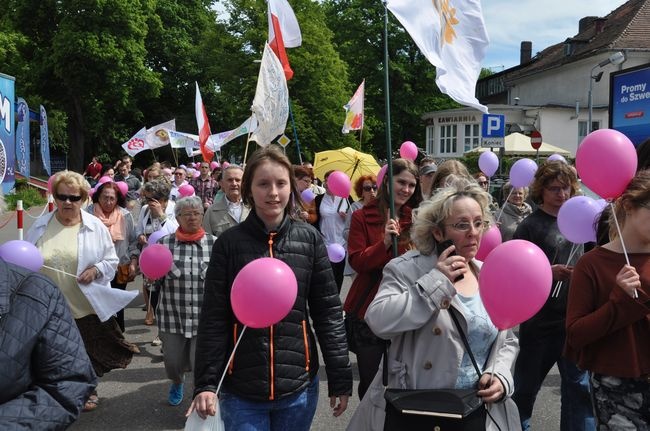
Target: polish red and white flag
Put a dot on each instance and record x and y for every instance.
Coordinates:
(204, 126)
(284, 32)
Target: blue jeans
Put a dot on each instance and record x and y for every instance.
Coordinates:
(295, 412)
(536, 358)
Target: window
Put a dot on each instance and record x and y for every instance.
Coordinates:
(472, 136)
(582, 129)
(448, 139)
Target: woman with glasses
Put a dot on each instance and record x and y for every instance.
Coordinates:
(181, 292)
(413, 307)
(109, 206)
(514, 210)
(75, 242)
(370, 241)
(542, 336)
(366, 188)
(304, 179)
(157, 214)
(608, 314)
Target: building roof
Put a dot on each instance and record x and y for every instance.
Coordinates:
(627, 27)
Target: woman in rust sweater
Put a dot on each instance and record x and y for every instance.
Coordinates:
(370, 249)
(608, 314)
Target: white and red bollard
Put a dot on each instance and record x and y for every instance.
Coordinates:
(19, 218)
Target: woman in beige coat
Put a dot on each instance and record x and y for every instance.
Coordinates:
(413, 305)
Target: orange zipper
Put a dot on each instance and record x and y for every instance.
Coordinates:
(304, 336)
(231, 366)
(272, 395)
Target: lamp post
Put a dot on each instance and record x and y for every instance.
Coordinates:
(615, 59)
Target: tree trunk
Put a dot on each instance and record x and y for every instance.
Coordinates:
(77, 138)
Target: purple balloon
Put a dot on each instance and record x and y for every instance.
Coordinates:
(22, 253)
(154, 237)
(522, 173)
(335, 252)
(307, 196)
(556, 157)
(577, 219)
(488, 162)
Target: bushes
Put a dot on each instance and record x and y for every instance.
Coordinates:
(30, 196)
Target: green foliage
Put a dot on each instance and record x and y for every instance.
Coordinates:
(30, 196)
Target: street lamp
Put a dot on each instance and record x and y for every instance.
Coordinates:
(615, 59)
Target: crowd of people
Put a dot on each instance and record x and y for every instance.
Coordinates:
(414, 294)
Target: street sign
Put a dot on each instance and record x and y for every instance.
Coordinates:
(493, 130)
(283, 140)
(535, 139)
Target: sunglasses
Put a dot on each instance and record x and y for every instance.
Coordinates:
(369, 188)
(71, 198)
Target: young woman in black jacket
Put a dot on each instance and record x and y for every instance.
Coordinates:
(272, 382)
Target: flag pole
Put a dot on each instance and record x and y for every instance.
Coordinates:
(295, 134)
(175, 155)
(248, 139)
(154, 156)
(389, 150)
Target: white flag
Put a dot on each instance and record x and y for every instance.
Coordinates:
(137, 143)
(271, 102)
(451, 34)
(284, 32)
(183, 140)
(246, 127)
(354, 110)
(158, 136)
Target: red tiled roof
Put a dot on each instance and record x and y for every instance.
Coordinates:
(626, 27)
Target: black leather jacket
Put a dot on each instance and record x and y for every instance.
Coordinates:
(274, 362)
(45, 373)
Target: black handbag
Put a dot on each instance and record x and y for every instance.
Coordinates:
(435, 409)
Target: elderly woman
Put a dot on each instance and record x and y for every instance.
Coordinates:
(514, 210)
(157, 214)
(419, 292)
(109, 207)
(80, 258)
(181, 293)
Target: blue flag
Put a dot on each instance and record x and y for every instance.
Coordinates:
(45, 143)
(7, 136)
(22, 138)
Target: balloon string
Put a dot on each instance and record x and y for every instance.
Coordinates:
(59, 270)
(620, 235)
(232, 355)
(496, 350)
(503, 206)
(558, 285)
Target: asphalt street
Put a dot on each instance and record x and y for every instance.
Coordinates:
(136, 398)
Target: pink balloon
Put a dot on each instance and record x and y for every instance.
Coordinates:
(196, 174)
(104, 179)
(307, 196)
(606, 162)
(155, 236)
(224, 165)
(488, 163)
(263, 292)
(91, 192)
(381, 174)
(408, 150)
(50, 181)
(522, 173)
(22, 253)
(167, 172)
(214, 165)
(197, 165)
(514, 282)
(335, 252)
(339, 184)
(156, 261)
(490, 239)
(577, 219)
(186, 190)
(124, 187)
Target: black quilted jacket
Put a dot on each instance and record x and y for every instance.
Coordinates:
(45, 373)
(275, 362)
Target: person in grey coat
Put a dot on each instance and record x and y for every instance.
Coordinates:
(46, 375)
(413, 309)
(228, 210)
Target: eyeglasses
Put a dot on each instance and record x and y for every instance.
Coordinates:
(558, 189)
(464, 226)
(178, 174)
(370, 188)
(63, 198)
(482, 183)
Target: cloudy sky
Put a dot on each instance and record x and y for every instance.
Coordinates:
(544, 23)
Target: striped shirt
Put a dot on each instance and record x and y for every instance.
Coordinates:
(181, 293)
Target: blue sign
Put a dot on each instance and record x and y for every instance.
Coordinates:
(22, 137)
(7, 135)
(494, 126)
(629, 106)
